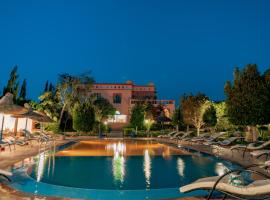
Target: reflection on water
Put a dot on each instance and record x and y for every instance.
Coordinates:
(127, 147)
(40, 166)
(180, 166)
(147, 167)
(221, 169)
(130, 165)
(118, 160)
(45, 159)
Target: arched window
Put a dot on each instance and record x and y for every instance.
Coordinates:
(117, 98)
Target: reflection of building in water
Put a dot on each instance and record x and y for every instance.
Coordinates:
(180, 166)
(118, 160)
(221, 169)
(147, 167)
(166, 153)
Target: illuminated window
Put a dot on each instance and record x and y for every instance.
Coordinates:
(117, 98)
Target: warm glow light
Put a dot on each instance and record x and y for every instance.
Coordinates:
(118, 160)
(40, 166)
(147, 167)
(221, 169)
(181, 167)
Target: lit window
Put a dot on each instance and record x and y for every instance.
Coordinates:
(117, 98)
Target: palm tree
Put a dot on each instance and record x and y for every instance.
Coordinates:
(72, 89)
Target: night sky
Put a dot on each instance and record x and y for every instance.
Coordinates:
(181, 46)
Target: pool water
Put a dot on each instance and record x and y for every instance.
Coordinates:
(133, 169)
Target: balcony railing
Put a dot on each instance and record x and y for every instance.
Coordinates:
(154, 102)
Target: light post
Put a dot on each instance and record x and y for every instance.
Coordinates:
(148, 123)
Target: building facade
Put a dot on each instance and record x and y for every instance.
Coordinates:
(123, 96)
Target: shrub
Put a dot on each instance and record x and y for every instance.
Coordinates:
(54, 127)
(83, 117)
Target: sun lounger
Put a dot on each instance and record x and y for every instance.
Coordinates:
(262, 146)
(259, 153)
(258, 189)
(250, 147)
(215, 136)
(167, 135)
(177, 134)
(14, 141)
(5, 174)
(201, 137)
(225, 142)
(9, 142)
(185, 136)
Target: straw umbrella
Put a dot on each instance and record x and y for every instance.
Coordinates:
(8, 107)
(34, 115)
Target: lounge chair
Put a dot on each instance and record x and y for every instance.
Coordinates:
(225, 142)
(201, 137)
(185, 136)
(15, 141)
(167, 135)
(177, 134)
(215, 136)
(258, 189)
(5, 174)
(250, 147)
(9, 143)
(259, 153)
(4, 143)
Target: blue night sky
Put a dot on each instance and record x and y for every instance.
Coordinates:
(181, 46)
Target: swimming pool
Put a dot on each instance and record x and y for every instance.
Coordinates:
(116, 169)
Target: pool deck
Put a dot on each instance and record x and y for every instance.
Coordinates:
(8, 158)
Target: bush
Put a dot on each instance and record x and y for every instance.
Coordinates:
(103, 128)
(127, 131)
(83, 117)
(137, 117)
(54, 127)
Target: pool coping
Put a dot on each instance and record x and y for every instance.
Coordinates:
(21, 194)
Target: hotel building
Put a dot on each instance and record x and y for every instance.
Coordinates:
(123, 96)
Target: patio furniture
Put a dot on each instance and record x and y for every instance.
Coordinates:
(201, 137)
(167, 135)
(215, 136)
(260, 153)
(258, 189)
(5, 174)
(185, 136)
(225, 142)
(250, 147)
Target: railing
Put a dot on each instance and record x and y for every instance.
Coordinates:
(155, 102)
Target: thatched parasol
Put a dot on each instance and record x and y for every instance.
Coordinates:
(8, 107)
(34, 115)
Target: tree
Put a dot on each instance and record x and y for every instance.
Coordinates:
(72, 89)
(210, 116)
(137, 117)
(248, 97)
(49, 104)
(193, 108)
(105, 106)
(83, 117)
(23, 91)
(51, 88)
(103, 109)
(12, 84)
(46, 88)
(177, 118)
(223, 122)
